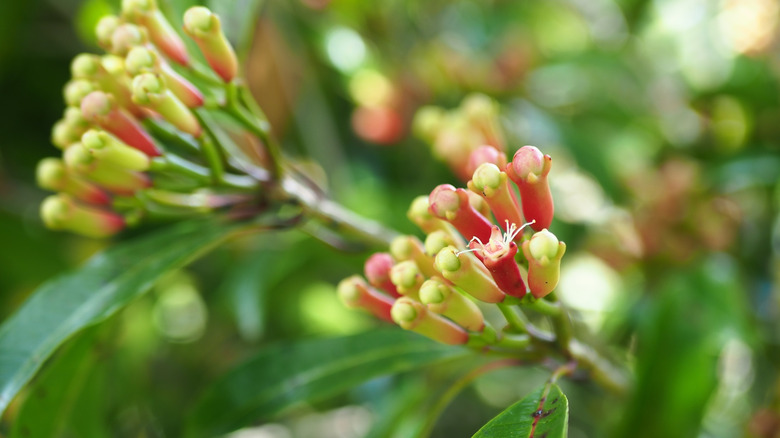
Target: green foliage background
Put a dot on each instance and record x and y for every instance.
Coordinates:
(669, 133)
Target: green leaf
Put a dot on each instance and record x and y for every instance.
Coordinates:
(543, 413)
(71, 302)
(285, 375)
(694, 313)
(55, 397)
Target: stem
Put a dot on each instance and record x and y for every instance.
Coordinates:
(255, 121)
(542, 306)
(515, 321)
(335, 215)
(601, 370)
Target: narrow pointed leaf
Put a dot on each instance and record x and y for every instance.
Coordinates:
(73, 301)
(543, 413)
(285, 375)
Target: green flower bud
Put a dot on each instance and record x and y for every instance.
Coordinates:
(204, 27)
(149, 90)
(75, 90)
(85, 66)
(411, 315)
(60, 212)
(104, 30)
(443, 299)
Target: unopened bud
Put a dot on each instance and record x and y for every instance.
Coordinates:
(144, 60)
(453, 205)
(439, 239)
(412, 315)
(110, 149)
(420, 214)
(529, 169)
(100, 109)
(544, 253)
(204, 27)
(150, 90)
(410, 248)
(162, 34)
(75, 118)
(104, 30)
(60, 212)
(125, 37)
(52, 174)
(493, 185)
(114, 178)
(75, 90)
(444, 300)
(85, 66)
(64, 134)
(485, 154)
(377, 271)
(356, 294)
(464, 271)
(407, 278)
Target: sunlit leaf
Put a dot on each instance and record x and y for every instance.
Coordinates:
(71, 302)
(543, 413)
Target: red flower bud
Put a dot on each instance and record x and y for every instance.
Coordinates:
(60, 212)
(377, 271)
(412, 315)
(356, 294)
(204, 27)
(451, 204)
(162, 34)
(529, 169)
(100, 109)
(544, 253)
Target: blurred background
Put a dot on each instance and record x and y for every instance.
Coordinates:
(663, 119)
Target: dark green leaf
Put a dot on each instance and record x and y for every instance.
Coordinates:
(56, 396)
(71, 302)
(679, 340)
(543, 413)
(285, 375)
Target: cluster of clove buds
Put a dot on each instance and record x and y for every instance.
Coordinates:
(432, 286)
(109, 158)
(463, 137)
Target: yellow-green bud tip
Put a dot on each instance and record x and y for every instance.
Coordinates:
(75, 90)
(146, 84)
(93, 139)
(447, 260)
(55, 210)
(401, 247)
(105, 29)
(77, 156)
(50, 173)
(139, 60)
(433, 292)
(348, 291)
(198, 20)
(543, 244)
(403, 311)
(487, 175)
(404, 274)
(436, 241)
(85, 66)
